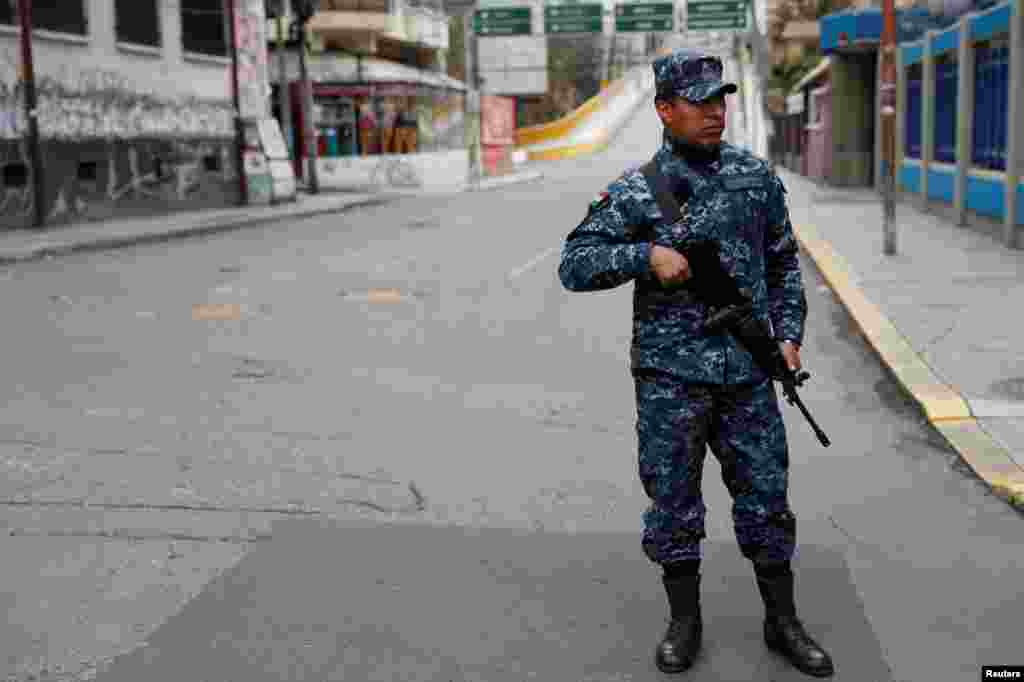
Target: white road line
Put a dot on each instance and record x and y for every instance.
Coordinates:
(533, 262)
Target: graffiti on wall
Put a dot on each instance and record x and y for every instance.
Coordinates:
(251, 41)
(149, 145)
(83, 103)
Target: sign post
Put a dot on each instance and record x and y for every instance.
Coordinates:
(561, 16)
(503, 21)
(716, 15)
(887, 101)
(635, 17)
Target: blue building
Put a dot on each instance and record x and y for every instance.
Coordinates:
(960, 138)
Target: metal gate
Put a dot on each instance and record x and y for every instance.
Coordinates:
(991, 89)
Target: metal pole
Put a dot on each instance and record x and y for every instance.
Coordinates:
(472, 98)
(283, 100)
(887, 90)
(29, 78)
(309, 130)
(611, 57)
(243, 189)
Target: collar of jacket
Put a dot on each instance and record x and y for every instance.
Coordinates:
(691, 154)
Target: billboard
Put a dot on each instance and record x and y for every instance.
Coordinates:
(497, 120)
(514, 65)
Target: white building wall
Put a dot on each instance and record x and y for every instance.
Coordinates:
(92, 87)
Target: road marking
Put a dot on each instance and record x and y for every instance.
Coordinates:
(216, 311)
(532, 263)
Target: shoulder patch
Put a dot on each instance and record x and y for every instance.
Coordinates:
(601, 201)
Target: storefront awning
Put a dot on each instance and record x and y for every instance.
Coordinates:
(346, 70)
(328, 23)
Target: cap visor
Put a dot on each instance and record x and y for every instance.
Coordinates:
(720, 89)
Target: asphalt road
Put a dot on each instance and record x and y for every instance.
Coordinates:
(419, 363)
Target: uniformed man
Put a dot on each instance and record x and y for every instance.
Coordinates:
(696, 390)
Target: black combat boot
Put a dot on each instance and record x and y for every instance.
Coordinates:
(783, 631)
(678, 649)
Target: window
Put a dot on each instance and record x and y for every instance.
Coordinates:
(991, 97)
(137, 22)
(15, 175)
(62, 16)
(945, 108)
(912, 122)
(202, 27)
(8, 12)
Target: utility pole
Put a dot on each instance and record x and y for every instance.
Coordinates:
(887, 91)
(283, 99)
(306, 10)
(473, 81)
(243, 186)
(611, 56)
(28, 77)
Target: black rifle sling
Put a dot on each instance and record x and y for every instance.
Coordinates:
(671, 212)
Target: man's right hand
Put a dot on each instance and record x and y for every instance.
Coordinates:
(669, 266)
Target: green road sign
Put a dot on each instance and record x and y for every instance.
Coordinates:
(643, 17)
(572, 18)
(714, 15)
(502, 21)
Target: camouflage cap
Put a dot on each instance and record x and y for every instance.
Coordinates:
(694, 76)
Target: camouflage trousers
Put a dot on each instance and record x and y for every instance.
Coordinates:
(742, 425)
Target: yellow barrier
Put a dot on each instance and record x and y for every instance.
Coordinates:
(560, 128)
(570, 151)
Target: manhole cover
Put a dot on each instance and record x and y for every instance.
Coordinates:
(253, 370)
(1011, 388)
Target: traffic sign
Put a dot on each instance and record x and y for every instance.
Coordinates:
(502, 21)
(572, 18)
(714, 15)
(643, 17)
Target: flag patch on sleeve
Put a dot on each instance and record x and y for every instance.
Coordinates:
(600, 201)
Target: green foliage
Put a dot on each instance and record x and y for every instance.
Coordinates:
(456, 49)
(787, 74)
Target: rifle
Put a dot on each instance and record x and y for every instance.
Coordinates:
(733, 308)
(734, 313)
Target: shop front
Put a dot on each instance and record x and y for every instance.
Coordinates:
(398, 128)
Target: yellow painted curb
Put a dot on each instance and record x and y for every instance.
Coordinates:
(570, 151)
(548, 132)
(552, 131)
(945, 409)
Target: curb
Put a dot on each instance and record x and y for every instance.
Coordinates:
(570, 151)
(502, 181)
(220, 225)
(225, 225)
(944, 408)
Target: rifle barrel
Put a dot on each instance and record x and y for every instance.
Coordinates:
(794, 399)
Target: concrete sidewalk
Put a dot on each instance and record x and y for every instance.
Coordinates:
(940, 315)
(26, 245)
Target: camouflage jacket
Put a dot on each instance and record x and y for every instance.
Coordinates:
(737, 201)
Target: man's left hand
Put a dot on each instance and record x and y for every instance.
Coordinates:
(791, 354)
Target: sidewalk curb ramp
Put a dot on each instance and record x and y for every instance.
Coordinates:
(945, 409)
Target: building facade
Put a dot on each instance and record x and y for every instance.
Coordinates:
(134, 109)
(384, 111)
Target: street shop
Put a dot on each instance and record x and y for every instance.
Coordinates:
(394, 126)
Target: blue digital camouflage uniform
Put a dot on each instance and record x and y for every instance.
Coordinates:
(694, 390)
